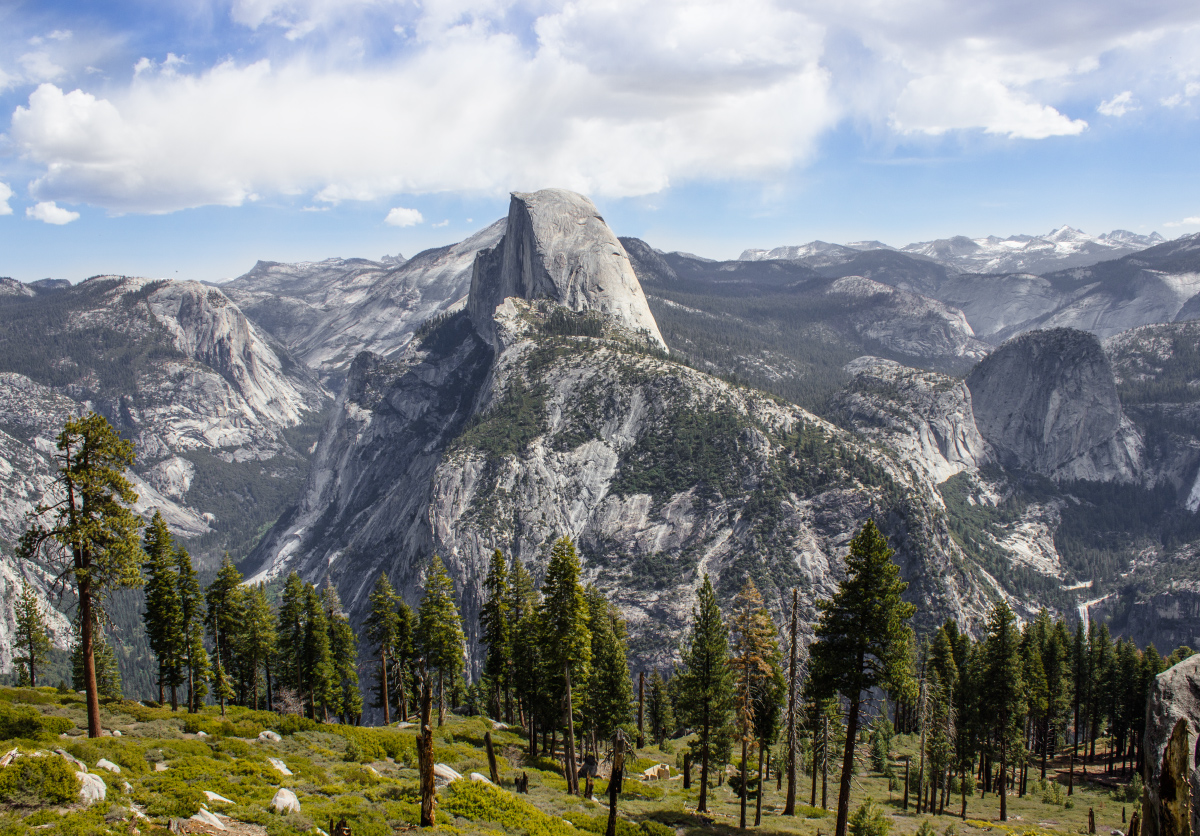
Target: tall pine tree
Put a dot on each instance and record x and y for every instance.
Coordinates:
(705, 681)
(193, 655)
(863, 640)
(31, 639)
(610, 689)
(164, 611)
(1003, 697)
(495, 626)
(439, 630)
(383, 627)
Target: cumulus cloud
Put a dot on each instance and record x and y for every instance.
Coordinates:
(1185, 222)
(1118, 105)
(51, 213)
(610, 97)
(5, 194)
(399, 216)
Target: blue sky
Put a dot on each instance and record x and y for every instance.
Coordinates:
(190, 138)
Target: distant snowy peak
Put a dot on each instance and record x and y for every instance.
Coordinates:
(1058, 249)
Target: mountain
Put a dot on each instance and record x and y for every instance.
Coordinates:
(549, 408)
(326, 312)
(1059, 249)
(221, 415)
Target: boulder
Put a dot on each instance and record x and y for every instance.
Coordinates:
(160, 767)
(201, 733)
(213, 798)
(117, 733)
(71, 759)
(285, 801)
(280, 766)
(269, 736)
(126, 787)
(483, 779)
(9, 757)
(105, 763)
(205, 817)
(443, 775)
(91, 787)
(1172, 717)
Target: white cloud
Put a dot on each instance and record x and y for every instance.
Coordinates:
(610, 97)
(399, 216)
(60, 35)
(1185, 222)
(38, 66)
(1118, 105)
(5, 194)
(51, 213)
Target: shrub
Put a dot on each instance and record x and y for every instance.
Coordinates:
(654, 828)
(925, 828)
(353, 752)
(811, 812)
(292, 723)
(868, 820)
(38, 780)
(21, 721)
(477, 801)
(1131, 792)
(599, 824)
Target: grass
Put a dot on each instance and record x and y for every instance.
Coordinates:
(381, 802)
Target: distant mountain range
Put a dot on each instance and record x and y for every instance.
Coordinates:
(1059, 249)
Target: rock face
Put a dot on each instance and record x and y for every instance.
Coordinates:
(1173, 711)
(927, 418)
(1047, 401)
(556, 246)
(546, 419)
(285, 801)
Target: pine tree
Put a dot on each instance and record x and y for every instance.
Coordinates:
(222, 687)
(863, 640)
(565, 640)
(526, 653)
(1003, 697)
(225, 618)
(758, 677)
(406, 665)
(343, 646)
(192, 653)
(316, 660)
(705, 681)
(439, 634)
(164, 612)
(610, 689)
(659, 710)
(496, 631)
(89, 531)
(257, 642)
(382, 627)
(290, 635)
(31, 638)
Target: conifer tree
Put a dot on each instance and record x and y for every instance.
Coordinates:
(439, 631)
(316, 660)
(1003, 697)
(382, 627)
(406, 665)
(526, 649)
(193, 656)
(222, 687)
(89, 532)
(659, 710)
(164, 611)
(495, 628)
(290, 634)
(31, 638)
(758, 677)
(863, 640)
(257, 642)
(610, 689)
(705, 681)
(566, 641)
(343, 646)
(224, 618)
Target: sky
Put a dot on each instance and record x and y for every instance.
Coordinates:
(189, 138)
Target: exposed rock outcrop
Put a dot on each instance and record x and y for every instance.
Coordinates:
(556, 246)
(1173, 711)
(1047, 401)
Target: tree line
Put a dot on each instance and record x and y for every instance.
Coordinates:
(556, 662)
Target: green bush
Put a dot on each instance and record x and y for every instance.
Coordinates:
(38, 780)
(292, 723)
(599, 824)
(23, 722)
(1131, 793)
(868, 820)
(478, 801)
(925, 828)
(654, 828)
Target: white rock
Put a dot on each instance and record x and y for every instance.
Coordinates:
(9, 757)
(405, 725)
(214, 798)
(201, 733)
(105, 763)
(481, 778)
(269, 736)
(371, 769)
(285, 801)
(205, 817)
(279, 765)
(79, 765)
(498, 726)
(160, 767)
(91, 787)
(443, 775)
(117, 733)
(126, 787)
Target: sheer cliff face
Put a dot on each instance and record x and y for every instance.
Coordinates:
(557, 247)
(546, 419)
(1047, 401)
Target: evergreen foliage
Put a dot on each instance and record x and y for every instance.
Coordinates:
(439, 633)
(31, 640)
